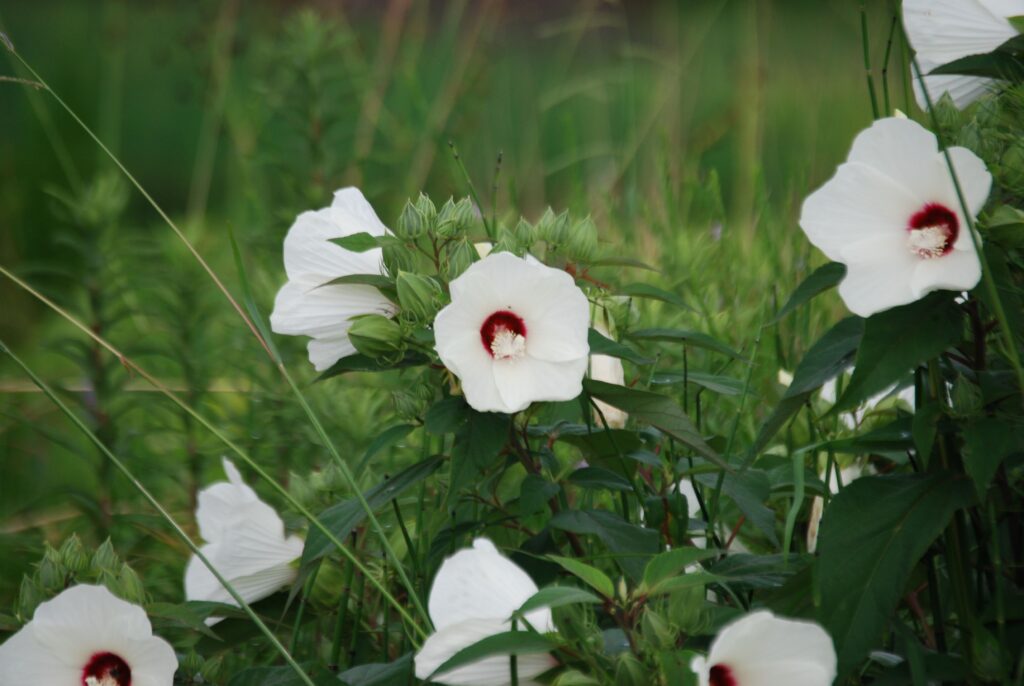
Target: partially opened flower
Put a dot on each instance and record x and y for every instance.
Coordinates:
(514, 333)
(892, 216)
(245, 542)
(760, 649)
(309, 304)
(943, 31)
(475, 592)
(87, 636)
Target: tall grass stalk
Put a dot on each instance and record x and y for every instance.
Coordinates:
(231, 445)
(311, 415)
(127, 473)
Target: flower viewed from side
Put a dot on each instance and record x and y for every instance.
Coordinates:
(309, 304)
(475, 592)
(514, 333)
(87, 636)
(943, 31)
(760, 649)
(245, 542)
(609, 370)
(892, 216)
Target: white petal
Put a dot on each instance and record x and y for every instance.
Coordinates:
(880, 277)
(963, 90)
(524, 381)
(223, 505)
(763, 650)
(353, 213)
(481, 583)
(24, 660)
(897, 147)
(976, 183)
(814, 522)
(959, 270)
(324, 313)
(85, 620)
(859, 202)
(946, 30)
(458, 344)
(491, 671)
(247, 552)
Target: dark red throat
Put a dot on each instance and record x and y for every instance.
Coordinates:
(722, 676)
(107, 666)
(502, 320)
(938, 216)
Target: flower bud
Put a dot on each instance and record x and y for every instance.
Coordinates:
(131, 586)
(329, 585)
(427, 210)
(375, 335)
(418, 295)
(459, 256)
(583, 240)
(411, 223)
(524, 234)
(397, 257)
(105, 558)
(29, 597)
(73, 555)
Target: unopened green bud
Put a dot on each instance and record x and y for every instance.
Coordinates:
(459, 256)
(329, 585)
(465, 214)
(73, 555)
(656, 630)
(192, 663)
(132, 589)
(411, 223)
(630, 672)
(575, 678)
(524, 234)
(418, 295)
(29, 597)
(210, 672)
(51, 574)
(427, 210)
(375, 335)
(623, 591)
(301, 488)
(105, 558)
(397, 258)
(583, 240)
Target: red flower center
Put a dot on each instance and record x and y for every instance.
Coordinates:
(106, 669)
(503, 335)
(933, 231)
(721, 675)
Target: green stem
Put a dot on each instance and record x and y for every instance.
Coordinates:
(986, 270)
(867, 60)
(127, 473)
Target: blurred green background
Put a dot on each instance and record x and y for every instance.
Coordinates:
(690, 131)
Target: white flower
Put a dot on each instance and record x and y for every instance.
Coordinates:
(609, 370)
(891, 215)
(848, 474)
(853, 418)
(760, 649)
(514, 333)
(305, 305)
(475, 592)
(86, 636)
(943, 31)
(245, 542)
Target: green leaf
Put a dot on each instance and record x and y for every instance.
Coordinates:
(989, 441)
(821, 279)
(692, 338)
(592, 576)
(364, 363)
(749, 490)
(380, 674)
(621, 262)
(385, 439)
(602, 345)
(896, 341)
(994, 65)
(342, 518)
(358, 242)
(896, 436)
(681, 582)
(716, 383)
(376, 280)
(872, 534)
(923, 428)
(631, 544)
(190, 616)
(507, 643)
(830, 355)
(557, 596)
(674, 562)
(447, 415)
(753, 572)
(598, 478)
(643, 290)
(657, 410)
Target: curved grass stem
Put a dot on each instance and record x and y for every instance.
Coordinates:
(278, 646)
(231, 445)
(311, 415)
